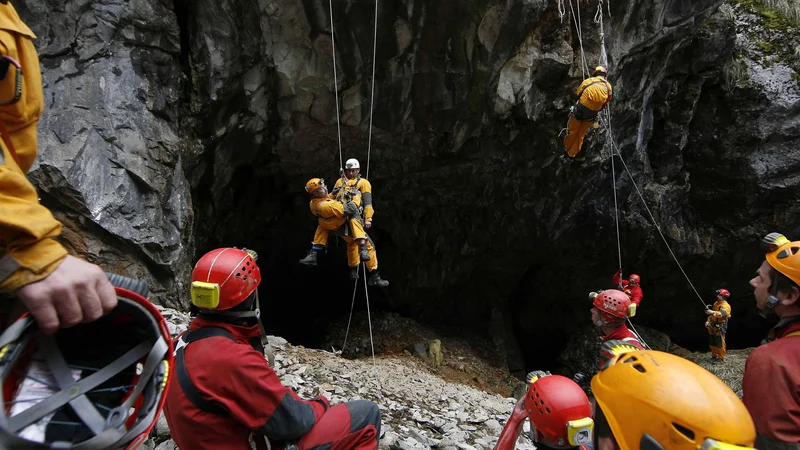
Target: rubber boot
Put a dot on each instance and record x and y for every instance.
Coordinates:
(376, 280)
(363, 253)
(310, 259)
(354, 273)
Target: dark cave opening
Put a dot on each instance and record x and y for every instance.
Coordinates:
(265, 208)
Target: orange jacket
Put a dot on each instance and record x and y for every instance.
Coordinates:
(595, 93)
(28, 249)
(330, 212)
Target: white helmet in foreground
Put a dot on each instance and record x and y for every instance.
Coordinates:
(352, 163)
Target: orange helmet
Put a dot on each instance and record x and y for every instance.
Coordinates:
(313, 184)
(665, 401)
(783, 255)
(560, 412)
(634, 279)
(224, 278)
(96, 385)
(599, 70)
(614, 305)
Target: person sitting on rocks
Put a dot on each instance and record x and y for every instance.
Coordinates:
(559, 411)
(225, 395)
(646, 399)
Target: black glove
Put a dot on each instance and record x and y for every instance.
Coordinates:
(351, 210)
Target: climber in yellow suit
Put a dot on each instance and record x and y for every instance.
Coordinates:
(717, 324)
(593, 95)
(360, 190)
(332, 215)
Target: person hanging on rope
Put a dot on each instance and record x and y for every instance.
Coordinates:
(772, 371)
(717, 325)
(630, 287)
(610, 309)
(332, 215)
(226, 396)
(594, 94)
(559, 411)
(356, 188)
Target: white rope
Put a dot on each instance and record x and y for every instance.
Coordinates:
(598, 19)
(352, 304)
(638, 336)
(372, 95)
(614, 189)
(577, 21)
(336, 86)
(652, 218)
(369, 316)
(561, 11)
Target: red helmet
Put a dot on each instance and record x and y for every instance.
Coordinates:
(559, 411)
(95, 385)
(224, 278)
(599, 70)
(723, 293)
(634, 279)
(613, 305)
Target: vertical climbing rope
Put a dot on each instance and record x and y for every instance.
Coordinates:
(336, 86)
(349, 319)
(372, 94)
(561, 11)
(650, 213)
(576, 19)
(614, 190)
(369, 318)
(639, 336)
(598, 19)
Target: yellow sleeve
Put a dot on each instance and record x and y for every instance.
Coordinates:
(365, 188)
(585, 83)
(330, 208)
(28, 249)
(727, 308)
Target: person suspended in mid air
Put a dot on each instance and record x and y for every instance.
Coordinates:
(630, 287)
(717, 325)
(356, 189)
(594, 94)
(332, 215)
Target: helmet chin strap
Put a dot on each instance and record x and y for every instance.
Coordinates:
(255, 312)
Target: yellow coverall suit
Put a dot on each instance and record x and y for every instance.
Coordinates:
(330, 216)
(29, 251)
(717, 325)
(357, 188)
(593, 95)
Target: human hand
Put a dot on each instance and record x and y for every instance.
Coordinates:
(709, 312)
(367, 224)
(77, 291)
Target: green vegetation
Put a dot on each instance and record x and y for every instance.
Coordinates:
(735, 74)
(768, 48)
(776, 15)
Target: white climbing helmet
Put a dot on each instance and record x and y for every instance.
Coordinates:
(352, 163)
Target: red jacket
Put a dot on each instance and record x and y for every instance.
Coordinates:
(634, 292)
(238, 378)
(771, 385)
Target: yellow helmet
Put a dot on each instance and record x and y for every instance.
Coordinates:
(314, 184)
(652, 399)
(783, 255)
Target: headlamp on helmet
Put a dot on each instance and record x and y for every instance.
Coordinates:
(205, 295)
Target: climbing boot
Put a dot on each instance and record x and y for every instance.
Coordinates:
(310, 259)
(363, 253)
(376, 280)
(354, 273)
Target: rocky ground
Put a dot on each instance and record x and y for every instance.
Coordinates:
(424, 404)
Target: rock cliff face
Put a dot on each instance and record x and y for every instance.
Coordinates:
(173, 127)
